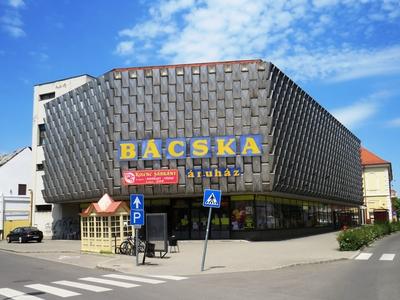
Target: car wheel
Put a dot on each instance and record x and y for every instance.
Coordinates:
(8, 239)
(21, 240)
(39, 240)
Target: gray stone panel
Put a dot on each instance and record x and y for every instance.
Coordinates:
(305, 150)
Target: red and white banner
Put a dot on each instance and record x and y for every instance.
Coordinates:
(140, 177)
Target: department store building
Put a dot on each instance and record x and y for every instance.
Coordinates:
(286, 167)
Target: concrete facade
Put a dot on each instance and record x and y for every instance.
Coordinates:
(43, 214)
(238, 98)
(307, 155)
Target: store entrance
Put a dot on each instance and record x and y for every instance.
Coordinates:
(199, 216)
(187, 219)
(219, 224)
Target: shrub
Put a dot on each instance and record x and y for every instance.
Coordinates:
(354, 239)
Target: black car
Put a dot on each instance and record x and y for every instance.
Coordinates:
(25, 234)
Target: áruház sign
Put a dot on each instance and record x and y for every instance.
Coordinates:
(140, 177)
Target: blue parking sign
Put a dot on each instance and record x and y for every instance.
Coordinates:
(212, 198)
(137, 217)
(137, 209)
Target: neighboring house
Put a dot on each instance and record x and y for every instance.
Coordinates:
(377, 177)
(47, 217)
(15, 187)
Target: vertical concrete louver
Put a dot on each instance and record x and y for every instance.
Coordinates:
(306, 151)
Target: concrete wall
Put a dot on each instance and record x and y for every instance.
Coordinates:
(44, 220)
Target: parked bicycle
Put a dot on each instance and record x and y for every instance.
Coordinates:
(128, 246)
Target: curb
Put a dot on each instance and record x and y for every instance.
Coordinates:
(39, 252)
(311, 263)
(111, 269)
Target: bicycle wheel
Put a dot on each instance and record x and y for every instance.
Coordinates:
(125, 248)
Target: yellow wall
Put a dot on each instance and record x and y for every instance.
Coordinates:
(376, 188)
(10, 225)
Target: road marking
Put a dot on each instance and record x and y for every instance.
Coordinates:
(17, 295)
(363, 256)
(110, 282)
(134, 278)
(387, 256)
(53, 290)
(169, 277)
(83, 286)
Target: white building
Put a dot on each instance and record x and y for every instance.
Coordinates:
(46, 215)
(15, 188)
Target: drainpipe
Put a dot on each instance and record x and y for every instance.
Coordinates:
(30, 206)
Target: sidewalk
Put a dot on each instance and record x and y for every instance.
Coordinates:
(223, 256)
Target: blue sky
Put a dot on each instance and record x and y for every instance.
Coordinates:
(345, 53)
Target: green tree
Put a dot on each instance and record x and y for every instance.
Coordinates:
(396, 205)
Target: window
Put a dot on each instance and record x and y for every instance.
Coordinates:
(105, 227)
(39, 167)
(42, 129)
(91, 227)
(43, 208)
(47, 96)
(21, 189)
(242, 216)
(84, 227)
(98, 227)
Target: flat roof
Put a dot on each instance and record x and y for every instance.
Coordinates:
(246, 61)
(48, 82)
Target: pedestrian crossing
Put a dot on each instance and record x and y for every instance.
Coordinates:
(99, 284)
(382, 257)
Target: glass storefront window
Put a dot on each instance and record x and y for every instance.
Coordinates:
(180, 219)
(242, 216)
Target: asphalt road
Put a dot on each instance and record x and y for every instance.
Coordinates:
(368, 277)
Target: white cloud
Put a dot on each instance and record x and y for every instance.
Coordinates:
(16, 3)
(124, 48)
(303, 37)
(11, 21)
(354, 115)
(340, 64)
(394, 122)
(323, 3)
(14, 31)
(39, 56)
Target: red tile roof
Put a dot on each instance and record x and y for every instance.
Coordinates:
(369, 158)
(111, 208)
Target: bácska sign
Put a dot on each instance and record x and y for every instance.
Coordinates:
(199, 147)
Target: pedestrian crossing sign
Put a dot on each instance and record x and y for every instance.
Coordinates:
(212, 198)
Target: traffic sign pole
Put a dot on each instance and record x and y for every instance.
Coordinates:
(206, 240)
(211, 198)
(137, 246)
